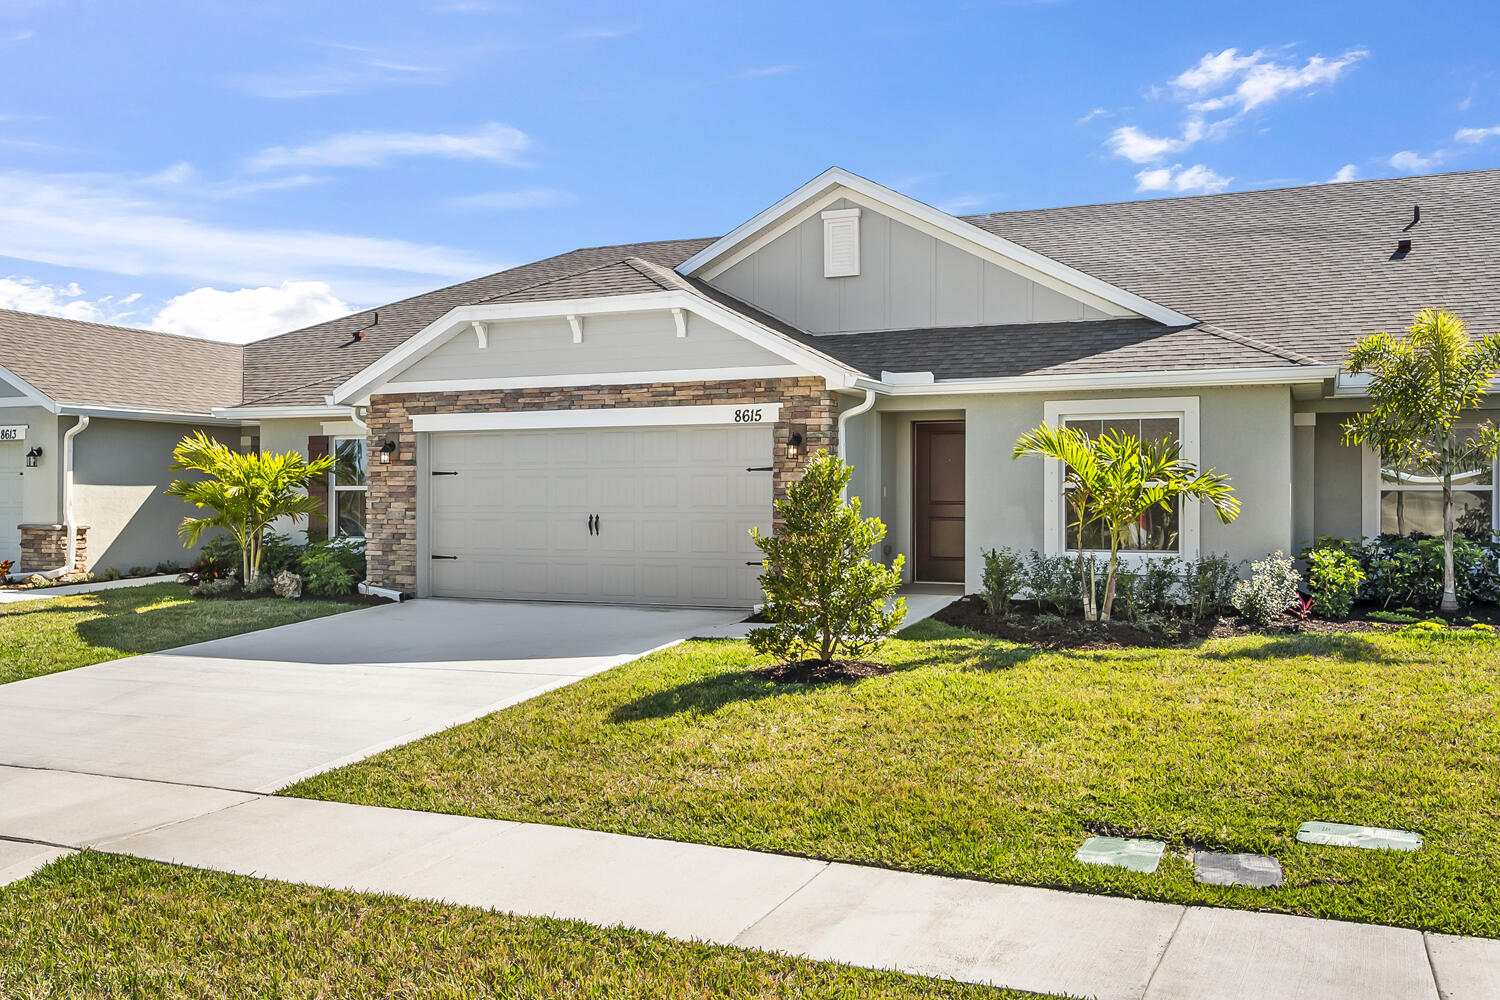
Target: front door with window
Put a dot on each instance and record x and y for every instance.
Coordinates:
(938, 503)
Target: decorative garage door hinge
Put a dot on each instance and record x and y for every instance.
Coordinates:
(445, 557)
(445, 473)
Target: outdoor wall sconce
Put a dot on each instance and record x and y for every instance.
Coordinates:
(34, 457)
(386, 450)
(794, 445)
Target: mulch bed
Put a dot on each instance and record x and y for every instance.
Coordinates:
(822, 671)
(1033, 626)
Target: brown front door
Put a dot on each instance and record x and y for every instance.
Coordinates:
(938, 484)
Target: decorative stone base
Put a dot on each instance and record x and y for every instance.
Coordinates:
(807, 405)
(45, 546)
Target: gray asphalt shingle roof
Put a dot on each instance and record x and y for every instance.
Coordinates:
(95, 365)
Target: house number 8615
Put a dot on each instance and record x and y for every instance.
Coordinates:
(748, 416)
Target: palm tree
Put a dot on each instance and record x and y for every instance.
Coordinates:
(1420, 384)
(1117, 479)
(246, 493)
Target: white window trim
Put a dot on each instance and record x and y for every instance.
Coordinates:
(1372, 487)
(1190, 515)
(334, 489)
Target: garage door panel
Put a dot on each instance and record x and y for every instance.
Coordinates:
(675, 507)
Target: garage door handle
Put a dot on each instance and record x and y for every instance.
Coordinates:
(445, 557)
(761, 468)
(445, 473)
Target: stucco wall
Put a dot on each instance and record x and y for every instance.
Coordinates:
(121, 468)
(907, 280)
(1337, 479)
(634, 342)
(1245, 432)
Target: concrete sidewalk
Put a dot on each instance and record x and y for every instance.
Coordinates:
(1034, 939)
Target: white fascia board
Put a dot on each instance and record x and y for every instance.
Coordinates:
(837, 177)
(461, 317)
(598, 378)
(256, 413)
(33, 395)
(1288, 375)
(135, 413)
(738, 414)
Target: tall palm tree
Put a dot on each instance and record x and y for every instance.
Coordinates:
(246, 493)
(1420, 384)
(1118, 479)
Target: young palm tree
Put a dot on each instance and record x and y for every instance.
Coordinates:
(1117, 479)
(1420, 384)
(246, 493)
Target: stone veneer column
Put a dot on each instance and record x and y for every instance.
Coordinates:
(45, 546)
(391, 500)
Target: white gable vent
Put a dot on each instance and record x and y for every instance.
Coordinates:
(841, 243)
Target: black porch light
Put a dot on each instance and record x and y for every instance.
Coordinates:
(386, 450)
(794, 445)
(34, 457)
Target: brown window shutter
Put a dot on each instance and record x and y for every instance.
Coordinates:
(317, 524)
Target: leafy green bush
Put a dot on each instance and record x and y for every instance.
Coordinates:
(1156, 583)
(1409, 571)
(279, 552)
(1004, 573)
(1053, 582)
(1269, 592)
(325, 575)
(1207, 583)
(1393, 617)
(1333, 576)
(824, 594)
(347, 552)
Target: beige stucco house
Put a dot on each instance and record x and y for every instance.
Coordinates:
(606, 425)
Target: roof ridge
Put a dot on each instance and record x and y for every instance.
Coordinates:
(658, 274)
(1260, 345)
(123, 329)
(554, 279)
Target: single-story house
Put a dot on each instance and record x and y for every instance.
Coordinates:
(607, 424)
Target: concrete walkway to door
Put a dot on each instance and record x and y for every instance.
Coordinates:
(256, 712)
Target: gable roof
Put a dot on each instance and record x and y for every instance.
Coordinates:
(90, 364)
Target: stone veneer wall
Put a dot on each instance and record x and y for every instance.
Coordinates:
(391, 503)
(45, 546)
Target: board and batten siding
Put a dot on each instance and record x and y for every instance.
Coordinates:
(908, 280)
(631, 342)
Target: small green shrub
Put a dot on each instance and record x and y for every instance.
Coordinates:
(347, 552)
(1334, 577)
(1053, 582)
(1393, 617)
(325, 575)
(1208, 584)
(1269, 592)
(1004, 573)
(1155, 585)
(279, 552)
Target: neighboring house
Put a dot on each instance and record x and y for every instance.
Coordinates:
(88, 418)
(607, 424)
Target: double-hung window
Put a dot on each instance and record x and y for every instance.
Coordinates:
(1159, 531)
(346, 488)
(1411, 495)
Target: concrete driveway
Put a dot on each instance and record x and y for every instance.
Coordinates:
(256, 712)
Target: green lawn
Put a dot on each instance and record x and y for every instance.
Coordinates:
(986, 759)
(43, 637)
(100, 926)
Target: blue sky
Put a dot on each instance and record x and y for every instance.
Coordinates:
(232, 170)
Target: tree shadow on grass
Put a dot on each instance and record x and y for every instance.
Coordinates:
(1343, 646)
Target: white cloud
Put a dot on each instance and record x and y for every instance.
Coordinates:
(1260, 78)
(16, 37)
(511, 201)
(1476, 134)
(1197, 179)
(1095, 113)
(108, 223)
(1346, 173)
(1409, 160)
(495, 143)
(1138, 147)
(248, 314)
(755, 72)
(349, 69)
(67, 301)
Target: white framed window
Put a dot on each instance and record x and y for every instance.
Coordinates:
(1400, 500)
(1159, 532)
(346, 488)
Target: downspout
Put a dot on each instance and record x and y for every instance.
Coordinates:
(844, 423)
(70, 523)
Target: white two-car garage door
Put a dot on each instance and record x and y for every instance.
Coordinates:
(636, 515)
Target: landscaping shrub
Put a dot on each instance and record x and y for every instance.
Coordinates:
(324, 573)
(1156, 583)
(1409, 571)
(347, 552)
(824, 595)
(1004, 573)
(1333, 576)
(1269, 592)
(1053, 582)
(1208, 584)
(279, 552)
